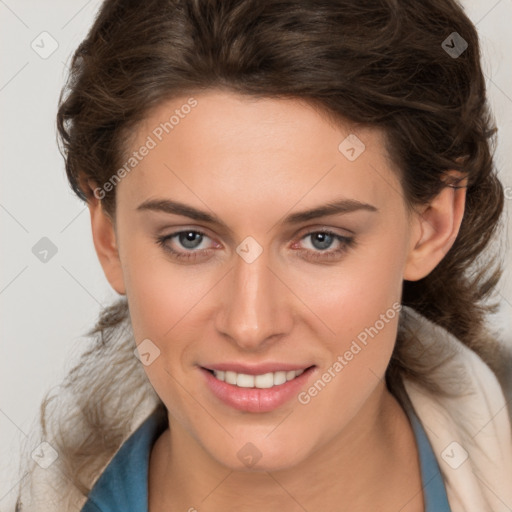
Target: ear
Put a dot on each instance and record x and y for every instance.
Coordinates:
(105, 242)
(435, 228)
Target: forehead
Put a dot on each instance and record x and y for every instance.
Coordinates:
(265, 151)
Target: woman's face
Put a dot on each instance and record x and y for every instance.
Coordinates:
(253, 279)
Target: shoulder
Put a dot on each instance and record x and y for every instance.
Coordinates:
(468, 423)
(123, 483)
(124, 476)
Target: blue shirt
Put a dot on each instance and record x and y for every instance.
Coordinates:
(123, 485)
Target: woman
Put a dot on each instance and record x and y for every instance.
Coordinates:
(295, 201)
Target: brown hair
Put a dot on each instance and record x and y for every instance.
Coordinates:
(379, 63)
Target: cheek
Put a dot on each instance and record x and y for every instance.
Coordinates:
(358, 305)
(163, 300)
(351, 296)
(159, 292)
(168, 305)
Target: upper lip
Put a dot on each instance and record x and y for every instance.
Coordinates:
(256, 369)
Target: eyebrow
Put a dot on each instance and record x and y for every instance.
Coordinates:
(335, 207)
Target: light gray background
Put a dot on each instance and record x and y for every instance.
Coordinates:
(46, 307)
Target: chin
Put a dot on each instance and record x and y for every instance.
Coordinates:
(260, 456)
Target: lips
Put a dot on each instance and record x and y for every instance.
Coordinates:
(253, 399)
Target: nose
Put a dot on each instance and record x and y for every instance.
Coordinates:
(253, 309)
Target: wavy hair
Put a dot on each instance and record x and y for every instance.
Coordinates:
(379, 63)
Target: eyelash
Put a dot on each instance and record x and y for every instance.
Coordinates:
(346, 242)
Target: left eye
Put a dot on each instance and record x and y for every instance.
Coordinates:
(322, 240)
(191, 241)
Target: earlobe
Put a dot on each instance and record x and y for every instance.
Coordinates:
(105, 243)
(436, 227)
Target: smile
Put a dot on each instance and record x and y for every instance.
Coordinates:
(258, 393)
(262, 381)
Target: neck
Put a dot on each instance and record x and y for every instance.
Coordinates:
(372, 461)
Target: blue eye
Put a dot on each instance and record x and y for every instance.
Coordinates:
(189, 239)
(322, 240)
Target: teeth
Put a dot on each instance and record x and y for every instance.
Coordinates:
(266, 380)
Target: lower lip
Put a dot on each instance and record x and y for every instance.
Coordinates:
(256, 399)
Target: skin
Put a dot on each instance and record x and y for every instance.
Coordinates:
(251, 162)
